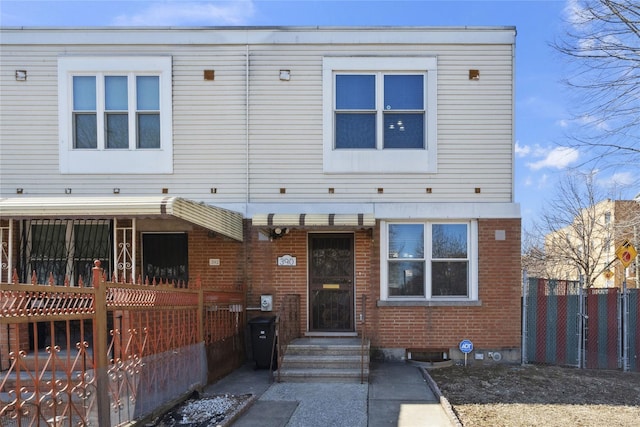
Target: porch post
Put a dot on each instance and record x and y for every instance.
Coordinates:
(100, 346)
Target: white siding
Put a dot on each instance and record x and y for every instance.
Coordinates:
(475, 124)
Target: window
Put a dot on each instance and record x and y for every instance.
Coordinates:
(66, 249)
(430, 261)
(379, 115)
(115, 115)
(165, 257)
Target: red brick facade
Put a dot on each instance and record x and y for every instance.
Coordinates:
(492, 323)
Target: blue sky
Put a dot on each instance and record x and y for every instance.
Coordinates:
(542, 103)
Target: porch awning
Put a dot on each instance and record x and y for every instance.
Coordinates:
(311, 220)
(216, 219)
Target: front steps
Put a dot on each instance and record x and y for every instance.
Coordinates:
(323, 359)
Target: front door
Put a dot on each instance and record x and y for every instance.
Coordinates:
(331, 287)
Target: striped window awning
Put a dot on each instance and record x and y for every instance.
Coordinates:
(313, 220)
(222, 221)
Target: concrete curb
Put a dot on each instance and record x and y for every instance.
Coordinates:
(444, 402)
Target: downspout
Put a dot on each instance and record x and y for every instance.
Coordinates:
(246, 127)
(513, 119)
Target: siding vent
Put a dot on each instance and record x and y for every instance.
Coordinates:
(283, 190)
(285, 75)
(380, 190)
(477, 190)
(209, 74)
(429, 190)
(21, 75)
(165, 191)
(474, 74)
(116, 191)
(214, 190)
(19, 190)
(67, 191)
(331, 190)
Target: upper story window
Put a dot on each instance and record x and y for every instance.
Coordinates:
(430, 261)
(115, 115)
(380, 115)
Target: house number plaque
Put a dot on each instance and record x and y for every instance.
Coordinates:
(287, 261)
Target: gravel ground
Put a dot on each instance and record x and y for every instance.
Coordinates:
(519, 396)
(204, 411)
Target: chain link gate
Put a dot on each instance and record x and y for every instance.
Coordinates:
(564, 324)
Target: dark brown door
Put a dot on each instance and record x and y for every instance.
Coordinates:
(331, 282)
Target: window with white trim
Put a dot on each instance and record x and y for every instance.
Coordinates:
(379, 115)
(429, 261)
(115, 115)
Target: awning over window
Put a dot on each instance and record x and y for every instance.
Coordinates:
(311, 220)
(216, 219)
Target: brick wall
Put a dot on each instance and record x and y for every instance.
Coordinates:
(493, 324)
(229, 275)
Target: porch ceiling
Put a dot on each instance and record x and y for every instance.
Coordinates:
(213, 218)
(311, 220)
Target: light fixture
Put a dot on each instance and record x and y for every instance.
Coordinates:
(278, 232)
(285, 75)
(21, 75)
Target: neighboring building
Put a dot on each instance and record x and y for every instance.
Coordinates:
(593, 238)
(332, 163)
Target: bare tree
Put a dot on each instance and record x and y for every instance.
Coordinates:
(603, 45)
(577, 233)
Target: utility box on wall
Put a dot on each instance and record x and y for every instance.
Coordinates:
(266, 303)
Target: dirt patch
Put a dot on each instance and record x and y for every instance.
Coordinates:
(533, 395)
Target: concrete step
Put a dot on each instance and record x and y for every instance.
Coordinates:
(298, 361)
(324, 359)
(327, 346)
(59, 361)
(321, 375)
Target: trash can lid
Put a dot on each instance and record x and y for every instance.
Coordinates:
(263, 319)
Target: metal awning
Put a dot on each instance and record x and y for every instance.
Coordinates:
(313, 220)
(223, 221)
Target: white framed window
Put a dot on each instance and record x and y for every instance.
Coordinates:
(435, 260)
(115, 114)
(379, 115)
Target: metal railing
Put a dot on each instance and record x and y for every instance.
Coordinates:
(110, 354)
(287, 328)
(363, 333)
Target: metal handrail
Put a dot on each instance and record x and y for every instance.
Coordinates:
(287, 326)
(363, 321)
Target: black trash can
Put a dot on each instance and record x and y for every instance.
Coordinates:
(263, 334)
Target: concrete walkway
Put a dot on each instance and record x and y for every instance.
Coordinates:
(397, 395)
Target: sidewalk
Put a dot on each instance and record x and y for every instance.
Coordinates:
(397, 395)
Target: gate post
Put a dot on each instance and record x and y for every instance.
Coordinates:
(625, 323)
(100, 346)
(525, 291)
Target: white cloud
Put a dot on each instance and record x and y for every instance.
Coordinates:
(619, 179)
(522, 150)
(558, 158)
(543, 181)
(234, 12)
(592, 121)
